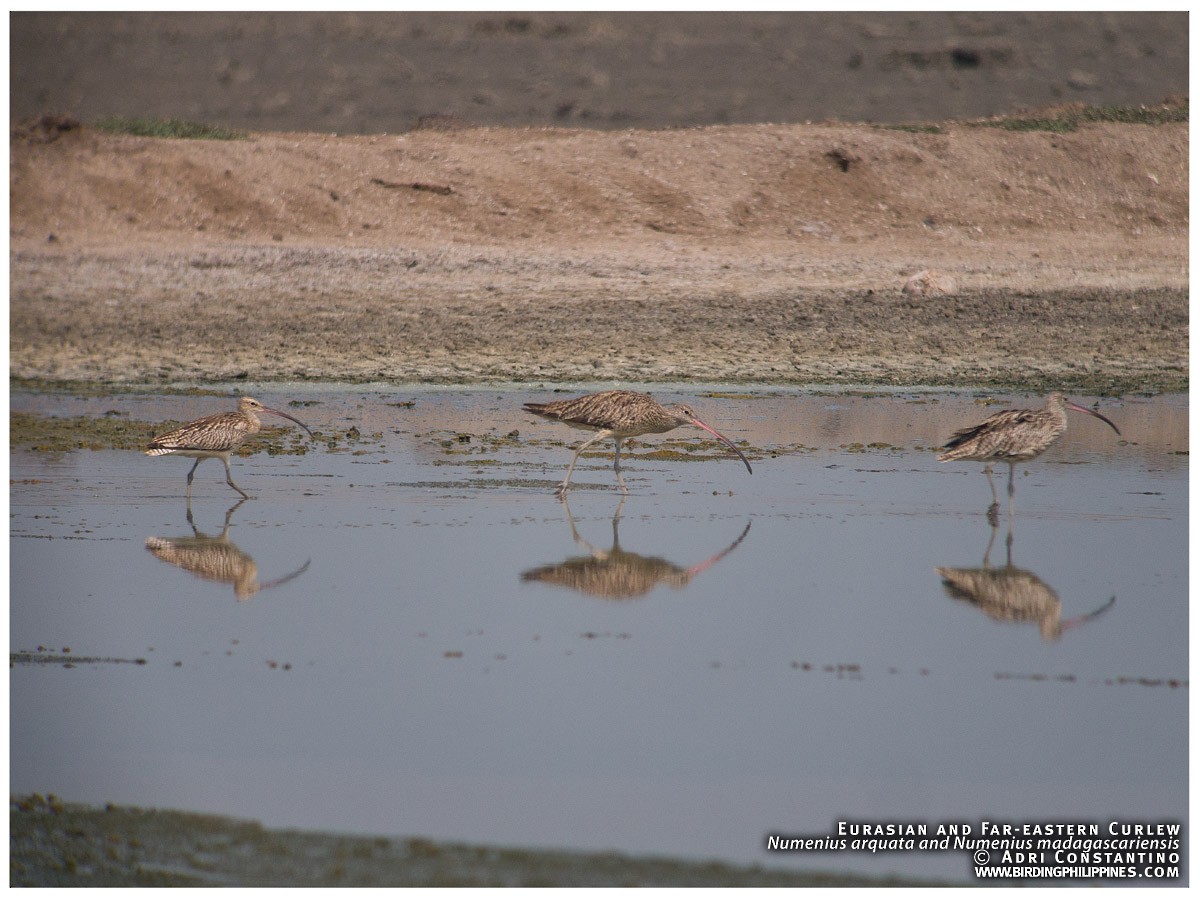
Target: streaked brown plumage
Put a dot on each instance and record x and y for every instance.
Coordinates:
(1013, 595)
(621, 415)
(1014, 435)
(216, 437)
(212, 558)
(1010, 594)
(215, 558)
(617, 574)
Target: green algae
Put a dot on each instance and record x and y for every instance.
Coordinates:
(489, 484)
(63, 434)
(44, 657)
(51, 434)
(677, 455)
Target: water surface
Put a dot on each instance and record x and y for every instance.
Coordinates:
(404, 633)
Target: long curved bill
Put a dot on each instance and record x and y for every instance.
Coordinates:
(1079, 620)
(726, 440)
(292, 418)
(717, 557)
(1092, 412)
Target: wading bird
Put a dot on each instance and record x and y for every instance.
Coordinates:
(620, 415)
(216, 437)
(1013, 436)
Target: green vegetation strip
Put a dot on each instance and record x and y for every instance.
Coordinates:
(51, 434)
(1061, 120)
(1069, 119)
(170, 128)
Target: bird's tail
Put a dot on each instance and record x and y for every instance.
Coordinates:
(158, 451)
(955, 447)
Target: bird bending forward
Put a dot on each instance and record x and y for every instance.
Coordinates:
(620, 415)
(1014, 435)
(216, 437)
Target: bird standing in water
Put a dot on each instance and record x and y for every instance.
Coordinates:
(216, 437)
(620, 415)
(1013, 436)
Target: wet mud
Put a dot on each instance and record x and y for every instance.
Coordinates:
(57, 844)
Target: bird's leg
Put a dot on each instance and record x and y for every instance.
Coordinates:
(994, 510)
(561, 490)
(191, 473)
(571, 521)
(617, 514)
(596, 552)
(991, 540)
(617, 467)
(616, 525)
(1011, 467)
(229, 515)
(1010, 499)
(229, 478)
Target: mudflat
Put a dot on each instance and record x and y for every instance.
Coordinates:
(401, 208)
(747, 253)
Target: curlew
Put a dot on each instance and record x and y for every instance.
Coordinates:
(216, 437)
(620, 415)
(1014, 435)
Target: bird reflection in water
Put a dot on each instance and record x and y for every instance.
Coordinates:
(617, 574)
(216, 558)
(1010, 594)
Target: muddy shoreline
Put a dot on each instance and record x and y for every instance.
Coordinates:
(74, 845)
(669, 246)
(1084, 341)
(552, 255)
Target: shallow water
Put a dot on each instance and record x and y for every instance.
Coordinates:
(408, 635)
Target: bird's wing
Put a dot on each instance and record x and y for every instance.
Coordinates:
(997, 422)
(219, 432)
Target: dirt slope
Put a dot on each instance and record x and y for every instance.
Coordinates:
(758, 253)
